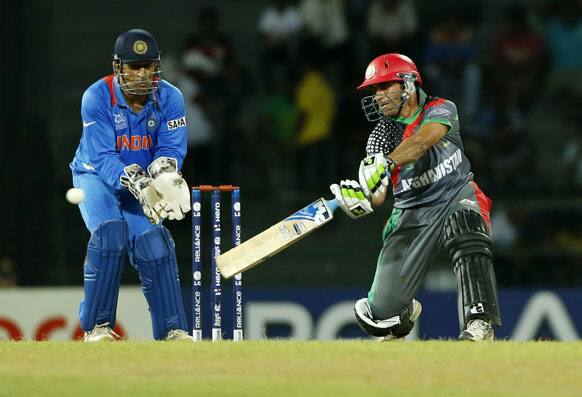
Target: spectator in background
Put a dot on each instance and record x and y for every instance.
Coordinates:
(197, 69)
(392, 25)
(517, 62)
(564, 44)
(213, 82)
(213, 42)
(506, 234)
(215, 47)
(356, 12)
(279, 26)
(316, 103)
(237, 83)
(557, 106)
(7, 275)
(325, 28)
(451, 65)
(511, 161)
(571, 164)
(272, 145)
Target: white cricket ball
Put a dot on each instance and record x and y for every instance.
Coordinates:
(75, 195)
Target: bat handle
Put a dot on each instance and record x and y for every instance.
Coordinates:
(332, 204)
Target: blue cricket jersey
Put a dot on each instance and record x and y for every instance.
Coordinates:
(114, 136)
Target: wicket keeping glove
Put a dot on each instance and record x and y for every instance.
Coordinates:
(140, 185)
(170, 186)
(351, 199)
(374, 175)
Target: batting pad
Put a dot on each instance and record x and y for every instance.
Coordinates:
(102, 274)
(470, 248)
(154, 256)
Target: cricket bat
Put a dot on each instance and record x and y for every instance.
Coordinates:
(276, 238)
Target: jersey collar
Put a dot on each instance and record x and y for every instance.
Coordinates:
(410, 120)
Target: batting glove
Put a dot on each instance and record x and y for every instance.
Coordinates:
(171, 187)
(351, 199)
(374, 175)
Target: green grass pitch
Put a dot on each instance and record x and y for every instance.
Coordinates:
(288, 368)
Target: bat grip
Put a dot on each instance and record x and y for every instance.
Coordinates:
(332, 204)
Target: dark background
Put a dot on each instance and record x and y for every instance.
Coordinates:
(523, 137)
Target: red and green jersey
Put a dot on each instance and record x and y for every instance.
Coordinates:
(441, 171)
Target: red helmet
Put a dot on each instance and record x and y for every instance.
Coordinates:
(389, 67)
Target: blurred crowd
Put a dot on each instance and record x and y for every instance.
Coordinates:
(296, 114)
(284, 121)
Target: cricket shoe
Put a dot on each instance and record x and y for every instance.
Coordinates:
(478, 330)
(101, 333)
(416, 310)
(177, 335)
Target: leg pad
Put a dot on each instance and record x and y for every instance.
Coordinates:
(470, 248)
(154, 256)
(102, 274)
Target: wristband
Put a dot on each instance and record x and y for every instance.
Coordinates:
(390, 164)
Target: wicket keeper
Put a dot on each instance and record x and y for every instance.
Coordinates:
(416, 145)
(127, 163)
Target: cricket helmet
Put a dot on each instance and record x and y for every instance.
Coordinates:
(390, 67)
(136, 45)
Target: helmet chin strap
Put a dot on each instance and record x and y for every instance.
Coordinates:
(408, 89)
(124, 83)
(404, 97)
(402, 103)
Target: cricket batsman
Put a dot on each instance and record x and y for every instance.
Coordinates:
(416, 145)
(127, 163)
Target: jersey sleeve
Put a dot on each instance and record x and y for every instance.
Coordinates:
(173, 135)
(444, 112)
(101, 141)
(385, 137)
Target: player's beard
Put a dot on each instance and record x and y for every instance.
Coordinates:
(389, 106)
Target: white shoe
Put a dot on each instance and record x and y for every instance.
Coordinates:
(178, 334)
(416, 310)
(101, 333)
(478, 330)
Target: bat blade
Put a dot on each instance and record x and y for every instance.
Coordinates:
(276, 238)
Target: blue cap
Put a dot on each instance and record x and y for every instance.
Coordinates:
(136, 45)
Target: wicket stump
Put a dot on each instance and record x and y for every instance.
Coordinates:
(197, 269)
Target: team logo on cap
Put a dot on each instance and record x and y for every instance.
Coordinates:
(370, 71)
(140, 47)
